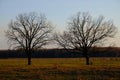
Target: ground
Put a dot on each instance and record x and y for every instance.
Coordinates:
(60, 69)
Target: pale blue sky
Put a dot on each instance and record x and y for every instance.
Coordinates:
(57, 11)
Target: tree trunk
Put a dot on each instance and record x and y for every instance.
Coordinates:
(29, 56)
(87, 60)
(85, 53)
(29, 59)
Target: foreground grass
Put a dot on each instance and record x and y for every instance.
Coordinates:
(60, 69)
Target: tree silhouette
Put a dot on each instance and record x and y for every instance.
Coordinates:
(85, 32)
(29, 32)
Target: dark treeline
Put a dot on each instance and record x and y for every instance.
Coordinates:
(61, 53)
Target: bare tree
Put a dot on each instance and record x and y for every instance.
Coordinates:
(85, 32)
(29, 32)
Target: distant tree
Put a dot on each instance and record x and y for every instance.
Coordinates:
(85, 32)
(29, 32)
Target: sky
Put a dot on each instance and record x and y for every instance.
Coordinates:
(58, 12)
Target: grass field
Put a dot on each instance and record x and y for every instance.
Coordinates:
(60, 69)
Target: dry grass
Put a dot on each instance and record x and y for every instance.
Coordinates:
(60, 69)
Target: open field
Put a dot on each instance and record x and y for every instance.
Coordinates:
(60, 69)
